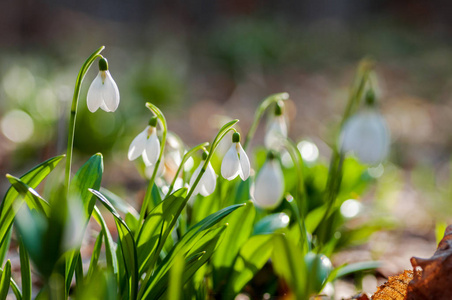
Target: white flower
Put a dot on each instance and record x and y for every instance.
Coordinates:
(207, 183)
(103, 91)
(147, 145)
(235, 162)
(277, 130)
(367, 135)
(269, 187)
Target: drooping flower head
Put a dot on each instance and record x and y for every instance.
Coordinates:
(366, 134)
(235, 162)
(269, 187)
(208, 181)
(103, 91)
(146, 144)
(277, 129)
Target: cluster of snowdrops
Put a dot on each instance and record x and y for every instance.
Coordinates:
(197, 235)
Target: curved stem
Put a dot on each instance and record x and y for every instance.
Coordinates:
(78, 85)
(297, 159)
(184, 160)
(147, 197)
(259, 112)
(221, 134)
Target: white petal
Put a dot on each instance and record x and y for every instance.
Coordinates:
(269, 188)
(244, 163)
(230, 166)
(275, 133)
(367, 135)
(196, 173)
(94, 97)
(138, 144)
(153, 147)
(110, 92)
(209, 181)
(146, 160)
(104, 107)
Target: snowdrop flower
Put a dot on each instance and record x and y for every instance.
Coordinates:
(366, 134)
(235, 162)
(103, 92)
(277, 129)
(208, 181)
(146, 144)
(269, 187)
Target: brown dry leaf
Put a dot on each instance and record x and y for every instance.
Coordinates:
(395, 288)
(435, 280)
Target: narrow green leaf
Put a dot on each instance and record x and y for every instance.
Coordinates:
(95, 256)
(239, 230)
(314, 218)
(176, 275)
(31, 197)
(206, 243)
(156, 228)
(288, 262)
(188, 241)
(25, 272)
(252, 257)
(89, 176)
(5, 280)
(271, 223)
(110, 245)
(354, 267)
(127, 245)
(32, 178)
(119, 203)
(4, 247)
(13, 286)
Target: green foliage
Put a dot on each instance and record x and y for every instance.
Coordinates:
(180, 245)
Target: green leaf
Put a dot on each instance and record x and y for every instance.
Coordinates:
(352, 268)
(32, 178)
(288, 262)
(239, 229)
(101, 286)
(252, 257)
(25, 272)
(95, 256)
(315, 217)
(110, 245)
(31, 197)
(5, 280)
(127, 248)
(89, 176)
(271, 223)
(200, 238)
(206, 243)
(119, 203)
(13, 286)
(156, 228)
(5, 246)
(176, 275)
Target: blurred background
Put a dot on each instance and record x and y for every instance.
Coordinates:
(205, 61)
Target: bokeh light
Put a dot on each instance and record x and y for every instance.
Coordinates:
(17, 126)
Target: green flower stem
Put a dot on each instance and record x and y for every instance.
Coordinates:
(184, 160)
(259, 112)
(359, 83)
(221, 134)
(75, 98)
(147, 197)
(300, 196)
(335, 172)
